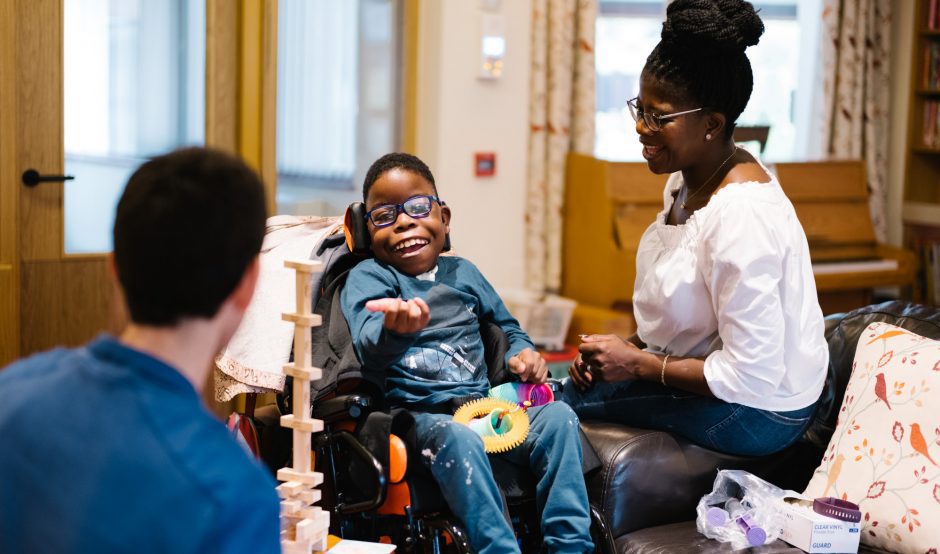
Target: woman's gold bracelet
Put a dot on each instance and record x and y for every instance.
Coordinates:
(662, 373)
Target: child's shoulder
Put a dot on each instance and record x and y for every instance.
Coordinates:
(463, 270)
(456, 262)
(371, 268)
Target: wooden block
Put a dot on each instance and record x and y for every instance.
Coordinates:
(306, 374)
(318, 518)
(301, 399)
(309, 496)
(311, 530)
(291, 547)
(320, 545)
(310, 512)
(301, 453)
(288, 524)
(305, 425)
(311, 478)
(289, 507)
(302, 346)
(303, 530)
(308, 266)
(304, 320)
(290, 490)
(323, 520)
(303, 293)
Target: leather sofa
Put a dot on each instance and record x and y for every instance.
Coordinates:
(650, 481)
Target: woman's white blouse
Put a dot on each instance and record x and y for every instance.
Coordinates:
(734, 284)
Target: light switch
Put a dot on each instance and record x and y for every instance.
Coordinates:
(492, 46)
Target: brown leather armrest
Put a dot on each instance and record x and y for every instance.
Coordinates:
(684, 538)
(650, 478)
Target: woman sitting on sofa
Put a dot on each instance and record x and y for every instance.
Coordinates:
(729, 351)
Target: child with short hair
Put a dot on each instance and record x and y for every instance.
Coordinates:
(417, 315)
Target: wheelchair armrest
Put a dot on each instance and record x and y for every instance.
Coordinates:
(329, 441)
(347, 406)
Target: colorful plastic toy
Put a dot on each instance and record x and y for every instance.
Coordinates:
(522, 392)
(502, 425)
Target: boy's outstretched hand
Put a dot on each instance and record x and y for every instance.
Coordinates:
(402, 316)
(529, 366)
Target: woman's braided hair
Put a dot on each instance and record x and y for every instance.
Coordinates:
(701, 53)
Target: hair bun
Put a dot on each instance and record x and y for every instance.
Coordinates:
(710, 27)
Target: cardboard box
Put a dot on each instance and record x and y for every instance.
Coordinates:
(816, 533)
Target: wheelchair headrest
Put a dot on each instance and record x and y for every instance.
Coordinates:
(358, 239)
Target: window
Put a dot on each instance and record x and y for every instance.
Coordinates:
(134, 88)
(337, 99)
(627, 31)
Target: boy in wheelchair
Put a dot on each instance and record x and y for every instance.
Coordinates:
(417, 316)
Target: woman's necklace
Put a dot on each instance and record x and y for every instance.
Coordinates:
(707, 181)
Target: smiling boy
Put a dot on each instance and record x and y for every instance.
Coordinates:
(417, 316)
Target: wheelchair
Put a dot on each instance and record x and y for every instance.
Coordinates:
(370, 488)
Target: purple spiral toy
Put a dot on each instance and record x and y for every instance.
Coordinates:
(520, 392)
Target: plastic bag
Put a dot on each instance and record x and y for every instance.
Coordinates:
(742, 509)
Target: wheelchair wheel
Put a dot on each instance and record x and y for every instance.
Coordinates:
(440, 536)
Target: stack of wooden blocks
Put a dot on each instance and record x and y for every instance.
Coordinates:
(304, 527)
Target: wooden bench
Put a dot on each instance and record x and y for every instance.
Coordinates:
(608, 205)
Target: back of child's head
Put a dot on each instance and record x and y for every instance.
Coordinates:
(395, 160)
(188, 225)
(701, 53)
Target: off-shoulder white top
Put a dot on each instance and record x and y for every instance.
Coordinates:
(734, 284)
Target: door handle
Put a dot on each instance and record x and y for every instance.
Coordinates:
(31, 178)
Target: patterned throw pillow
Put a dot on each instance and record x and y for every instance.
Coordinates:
(885, 451)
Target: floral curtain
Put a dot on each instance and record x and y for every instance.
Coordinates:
(561, 119)
(856, 95)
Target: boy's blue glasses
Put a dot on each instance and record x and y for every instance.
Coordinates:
(416, 207)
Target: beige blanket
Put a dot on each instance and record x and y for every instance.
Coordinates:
(253, 359)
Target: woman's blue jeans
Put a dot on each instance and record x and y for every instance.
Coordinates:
(552, 451)
(709, 422)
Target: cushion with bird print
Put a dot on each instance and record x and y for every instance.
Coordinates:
(885, 451)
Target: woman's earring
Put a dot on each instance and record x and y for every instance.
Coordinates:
(708, 136)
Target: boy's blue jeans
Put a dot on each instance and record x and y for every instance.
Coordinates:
(552, 450)
(709, 422)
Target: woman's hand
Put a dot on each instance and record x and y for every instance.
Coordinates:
(402, 316)
(580, 374)
(609, 358)
(529, 366)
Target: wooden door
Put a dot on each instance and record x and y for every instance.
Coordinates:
(48, 298)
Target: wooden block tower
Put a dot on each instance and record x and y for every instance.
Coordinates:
(304, 527)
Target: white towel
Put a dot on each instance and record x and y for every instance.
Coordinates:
(253, 359)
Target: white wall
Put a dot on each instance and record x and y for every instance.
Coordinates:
(459, 114)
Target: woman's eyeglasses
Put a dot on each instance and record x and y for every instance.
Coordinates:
(653, 122)
(416, 207)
